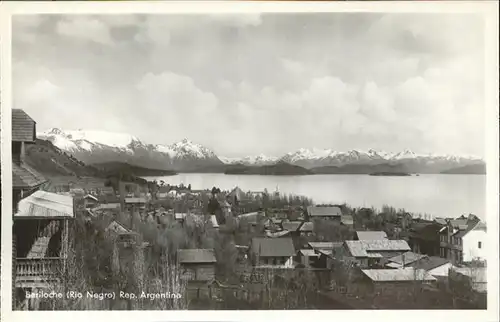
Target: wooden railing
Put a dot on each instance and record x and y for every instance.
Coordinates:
(38, 267)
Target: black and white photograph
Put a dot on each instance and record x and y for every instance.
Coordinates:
(250, 161)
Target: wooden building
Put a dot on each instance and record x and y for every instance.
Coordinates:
(41, 233)
(372, 253)
(197, 265)
(276, 252)
(25, 180)
(326, 213)
(90, 201)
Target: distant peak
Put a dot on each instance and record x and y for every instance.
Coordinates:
(56, 131)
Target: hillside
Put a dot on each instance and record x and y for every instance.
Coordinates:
(278, 169)
(49, 160)
(467, 169)
(361, 169)
(121, 167)
(56, 164)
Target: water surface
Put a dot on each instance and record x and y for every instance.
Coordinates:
(434, 194)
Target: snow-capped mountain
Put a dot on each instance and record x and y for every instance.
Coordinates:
(101, 146)
(407, 159)
(260, 159)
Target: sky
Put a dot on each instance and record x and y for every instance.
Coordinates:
(259, 83)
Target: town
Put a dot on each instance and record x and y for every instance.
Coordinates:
(229, 249)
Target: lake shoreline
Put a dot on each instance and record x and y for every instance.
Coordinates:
(434, 194)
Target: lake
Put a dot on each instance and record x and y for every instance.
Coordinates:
(438, 195)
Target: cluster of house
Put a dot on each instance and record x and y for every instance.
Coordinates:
(424, 250)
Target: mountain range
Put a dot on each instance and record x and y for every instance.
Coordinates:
(94, 147)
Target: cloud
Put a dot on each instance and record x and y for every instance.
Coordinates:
(172, 100)
(86, 28)
(272, 83)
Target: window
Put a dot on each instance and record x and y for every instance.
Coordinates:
(479, 244)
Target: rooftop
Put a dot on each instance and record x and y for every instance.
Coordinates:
(325, 245)
(186, 256)
(273, 247)
(307, 226)
(315, 211)
(135, 200)
(277, 234)
(46, 204)
(23, 176)
(473, 224)
(308, 252)
(89, 196)
(428, 263)
(362, 248)
(371, 235)
(406, 258)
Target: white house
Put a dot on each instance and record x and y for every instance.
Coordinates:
(463, 240)
(273, 252)
(436, 266)
(474, 243)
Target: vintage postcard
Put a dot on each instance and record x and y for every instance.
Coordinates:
(250, 161)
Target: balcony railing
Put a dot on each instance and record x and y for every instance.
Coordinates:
(49, 267)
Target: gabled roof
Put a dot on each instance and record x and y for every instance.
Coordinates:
(23, 177)
(371, 235)
(315, 211)
(273, 247)
(46, 204)
(325, 245)
(117, 227)
(307, 226)
(428, 263)
(406, 258)
(363, 248)
(291, 225)
(471, 225)
(308, 252)
(192, 256)
(236, 193)
(135, 200)
(401, 274)
(441, 221)
(89, 196)
(23, 127)
(277, 234)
